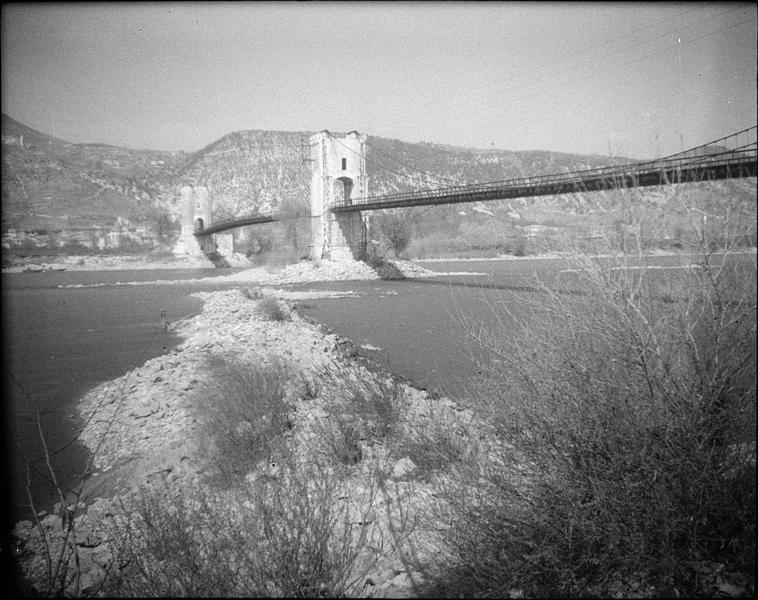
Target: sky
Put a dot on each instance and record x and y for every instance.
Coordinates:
(637, 80)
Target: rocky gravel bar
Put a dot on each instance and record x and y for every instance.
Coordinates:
(142, 427)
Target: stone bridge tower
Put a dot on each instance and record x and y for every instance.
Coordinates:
(339, 175)
(196, 215)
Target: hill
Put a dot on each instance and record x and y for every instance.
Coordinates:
(250, 171)
(49, 183)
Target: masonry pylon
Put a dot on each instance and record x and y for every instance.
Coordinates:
(196, 215)
(339, 175)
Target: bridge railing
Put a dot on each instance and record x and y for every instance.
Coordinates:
(698, 157)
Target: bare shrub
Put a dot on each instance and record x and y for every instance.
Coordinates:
(271, 308)
(622, 424)
(396, 228)
(342, 439)
(384, 268)
(284, 536)
(434, 442)
(363, 411)
(244, 415)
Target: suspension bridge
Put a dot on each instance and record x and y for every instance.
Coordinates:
(708, 162)
(337, 222)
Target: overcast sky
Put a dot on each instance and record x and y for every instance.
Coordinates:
(638, 80)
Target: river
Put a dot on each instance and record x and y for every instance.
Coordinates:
(60, 341)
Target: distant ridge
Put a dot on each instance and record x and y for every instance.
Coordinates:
(50, 183)
(31, 136)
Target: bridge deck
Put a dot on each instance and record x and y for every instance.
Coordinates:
(238, 222)
(668, 171)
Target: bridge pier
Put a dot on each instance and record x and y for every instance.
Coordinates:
(339, 178)
(196, 215)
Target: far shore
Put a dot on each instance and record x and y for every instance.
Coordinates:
(105, 262)
(555, 255)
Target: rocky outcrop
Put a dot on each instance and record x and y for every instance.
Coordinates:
(77, 544)
(122, 235)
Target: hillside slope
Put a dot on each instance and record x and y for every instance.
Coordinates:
(249, 171)
(49, 183)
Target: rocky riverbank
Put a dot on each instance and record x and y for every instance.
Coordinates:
(145, 428)
(105, 262)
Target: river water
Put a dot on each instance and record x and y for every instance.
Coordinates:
(60, 341)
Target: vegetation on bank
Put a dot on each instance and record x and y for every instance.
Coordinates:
(621, 416)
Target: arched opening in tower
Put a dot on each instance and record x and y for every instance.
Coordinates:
(199, 226)
(343, 188)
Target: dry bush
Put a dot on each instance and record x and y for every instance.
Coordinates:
(284, 536)
(384, 268)
(434, 442)
(272, 309)
(342, 439)
(622, 423)
(243, 415)
(396, 228)
(368, 410)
